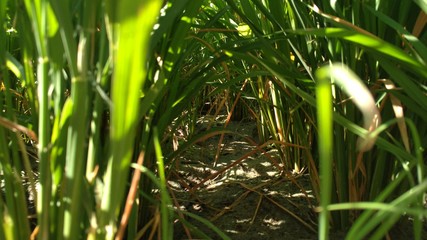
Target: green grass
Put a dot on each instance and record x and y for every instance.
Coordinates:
(100, 88)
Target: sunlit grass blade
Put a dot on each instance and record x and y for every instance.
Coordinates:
(389, 215)
(354, 87)
(422, 4)
(324, 118)
(77, 130)
(38, 12)
(371, 43)
(129, 60)
(167, 230)
(414, 44)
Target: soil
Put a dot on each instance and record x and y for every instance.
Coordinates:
(244, 193)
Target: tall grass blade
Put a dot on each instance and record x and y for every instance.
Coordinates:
(165, 204)
(354, 87)
(129, 50)
(38, 12)
(324, 118)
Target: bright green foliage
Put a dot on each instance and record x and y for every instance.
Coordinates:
(84, 53)
(99, 88)
(324, 118)
(291, 41)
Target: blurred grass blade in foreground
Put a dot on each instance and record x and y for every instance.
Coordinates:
(130, 25)
(351, 84)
